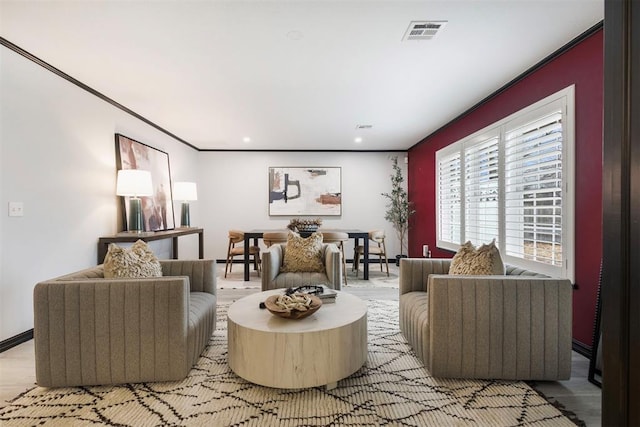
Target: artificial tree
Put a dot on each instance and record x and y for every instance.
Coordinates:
(399, 208)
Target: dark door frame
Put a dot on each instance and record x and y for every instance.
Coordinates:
(621, 215)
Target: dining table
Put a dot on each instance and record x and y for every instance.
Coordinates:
(354, 234)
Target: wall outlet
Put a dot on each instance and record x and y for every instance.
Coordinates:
(16, 209)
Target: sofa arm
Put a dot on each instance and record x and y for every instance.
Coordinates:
(500, 327)
(271, 262)
(201, 273)
(333, 265)
(111, 331)
(414, 272)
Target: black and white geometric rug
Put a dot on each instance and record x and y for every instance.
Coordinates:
(392, 389)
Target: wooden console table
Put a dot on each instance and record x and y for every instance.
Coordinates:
(130, 237)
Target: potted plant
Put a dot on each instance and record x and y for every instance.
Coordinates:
(399, 208)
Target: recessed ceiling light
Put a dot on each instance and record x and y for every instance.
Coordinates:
(358, 139)
(246, 139)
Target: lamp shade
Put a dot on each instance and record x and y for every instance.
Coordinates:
(134, 182)
(185, 191)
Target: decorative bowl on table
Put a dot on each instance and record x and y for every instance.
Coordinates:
(304, 225)
(285, 306)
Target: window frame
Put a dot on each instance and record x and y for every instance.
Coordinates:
(564, 100)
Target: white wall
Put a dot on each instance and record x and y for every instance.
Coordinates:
(233, 193)
(57, 156)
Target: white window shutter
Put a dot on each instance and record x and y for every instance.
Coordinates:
(533, 187)
(450, 199)
(481, 192)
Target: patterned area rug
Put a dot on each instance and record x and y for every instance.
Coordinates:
(392, 389)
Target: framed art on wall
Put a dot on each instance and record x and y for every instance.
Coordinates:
(305, 191)
(157, 210)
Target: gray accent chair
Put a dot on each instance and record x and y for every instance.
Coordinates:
(515, 327)
(273, 257)
(90, 330)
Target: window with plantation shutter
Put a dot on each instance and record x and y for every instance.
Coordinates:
(481, 191)
(513, 182)
(533, 190)
(449, 197)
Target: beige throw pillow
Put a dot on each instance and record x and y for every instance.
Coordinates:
(485, 260)
(134, 262)
(303, 254)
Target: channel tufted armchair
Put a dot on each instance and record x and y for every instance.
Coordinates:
(512, 326)
(272, 278)
(90, 330)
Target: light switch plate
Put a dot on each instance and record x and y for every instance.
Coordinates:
(16, 209)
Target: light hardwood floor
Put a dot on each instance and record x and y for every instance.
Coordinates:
(17, 366)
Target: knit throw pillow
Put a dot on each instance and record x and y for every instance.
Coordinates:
(485, 260)
(303, 254)
(134, 262)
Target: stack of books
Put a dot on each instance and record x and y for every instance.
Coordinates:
(328, 295)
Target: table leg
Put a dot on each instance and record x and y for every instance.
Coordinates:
(246, 258)
(365, 263)
(102, 251)
(175, 248)
(201, 245)
(255, 243)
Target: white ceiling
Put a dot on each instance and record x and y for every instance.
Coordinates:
(295, 75)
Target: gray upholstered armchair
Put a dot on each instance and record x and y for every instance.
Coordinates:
(272, 278)
(91, 330)
(514, 326)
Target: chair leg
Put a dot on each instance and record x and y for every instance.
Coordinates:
(344, 263)
(226, 265)
(229, 258)
(344, 272)
(257, 263)
(356, 259)
(386, 260)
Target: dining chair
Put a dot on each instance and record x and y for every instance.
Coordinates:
(338, 238)
(271, 237)
(236, 248)
(375, 248)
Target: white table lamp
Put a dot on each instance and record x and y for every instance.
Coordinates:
(134, 183)
(185, 191)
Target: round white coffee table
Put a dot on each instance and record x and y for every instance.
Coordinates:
(321, 349)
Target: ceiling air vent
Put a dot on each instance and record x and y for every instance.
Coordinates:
(364, 126)
(423, 30)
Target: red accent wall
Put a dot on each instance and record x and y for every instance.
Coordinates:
(582, 65)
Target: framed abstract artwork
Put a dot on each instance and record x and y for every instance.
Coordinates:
(305, 191)
(157, 210)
